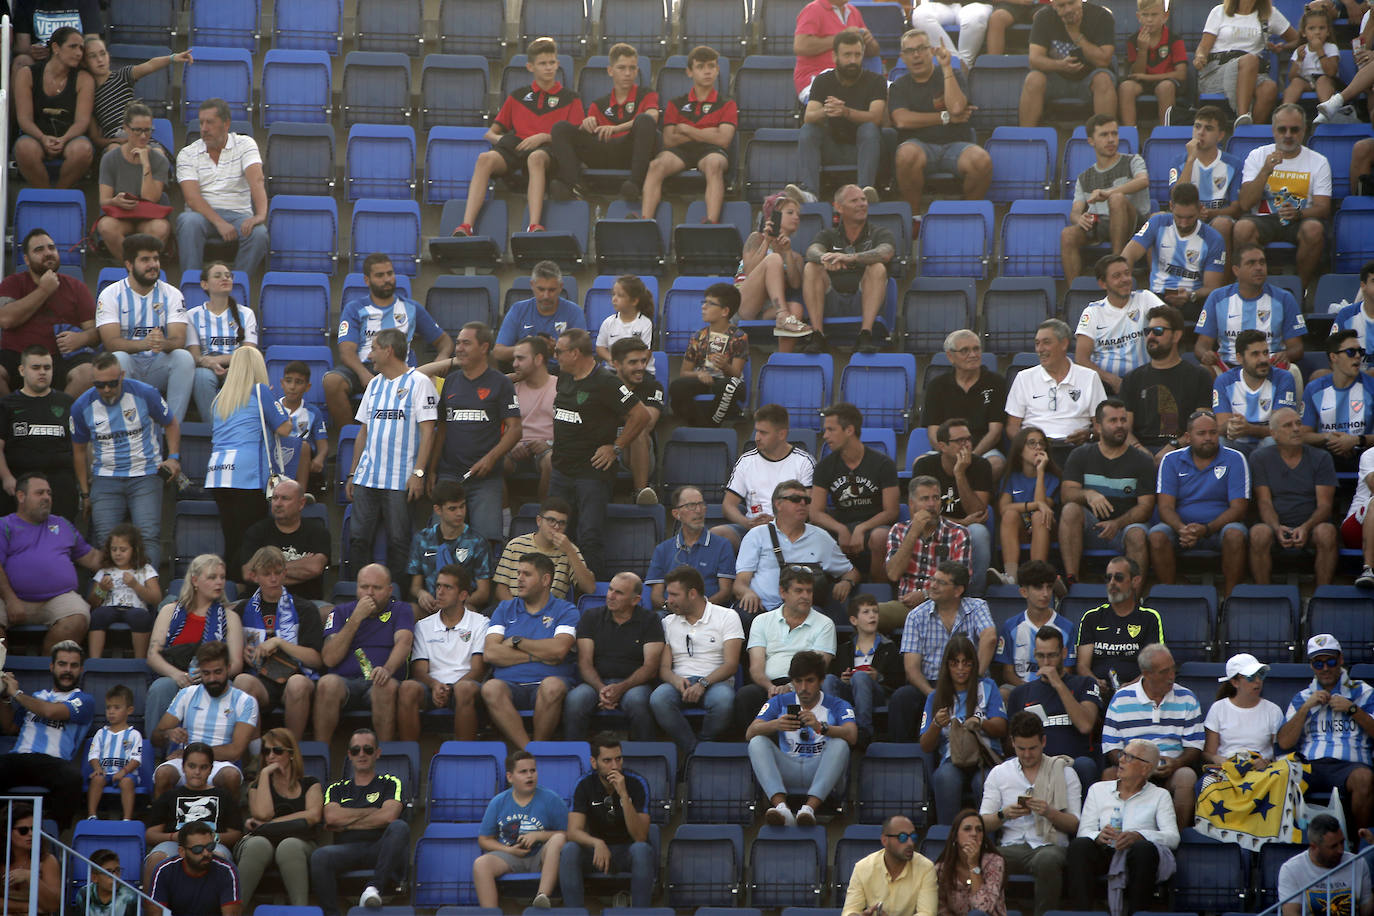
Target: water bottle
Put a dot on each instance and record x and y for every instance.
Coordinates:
(1116, 822)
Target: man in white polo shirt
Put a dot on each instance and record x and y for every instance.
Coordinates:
(1059, 397)
(222, 180)
(448, 661)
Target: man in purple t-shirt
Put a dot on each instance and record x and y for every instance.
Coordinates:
(38, 553)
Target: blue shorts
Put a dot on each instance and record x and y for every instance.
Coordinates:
(1093, 541)
(1330, 773)
(942, 157)
(522, 696)
(1211, 542)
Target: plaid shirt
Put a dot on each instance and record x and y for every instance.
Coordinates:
(925, 633)
(951, 542)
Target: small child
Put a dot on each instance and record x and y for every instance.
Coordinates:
(867, 668)
(307, 425)
(634, 317)
(124, 590)
(1316, 60)
(102, 897)
(714, 362)
(1157, 60)
(116, 753)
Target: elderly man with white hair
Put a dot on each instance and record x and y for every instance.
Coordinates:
(1058, 396)
(973, 393)
(1295, 488)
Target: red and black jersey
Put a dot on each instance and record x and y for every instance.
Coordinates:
(608, 112)
(712, 111)
(531, 110)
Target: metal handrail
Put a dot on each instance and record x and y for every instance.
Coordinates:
(6, 35)
(1361, 860)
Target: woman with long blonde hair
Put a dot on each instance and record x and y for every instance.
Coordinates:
(286, 808)
(198, 615)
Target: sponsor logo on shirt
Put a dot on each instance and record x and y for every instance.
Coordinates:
(567, 416)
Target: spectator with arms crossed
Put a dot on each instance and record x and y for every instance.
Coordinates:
(861, 483)
(847, 268)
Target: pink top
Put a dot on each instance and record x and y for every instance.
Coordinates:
(989, 897)
(820, 17)
(536, 410)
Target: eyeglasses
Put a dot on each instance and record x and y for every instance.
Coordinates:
(1157, 331)
(114, 383)
(269, 751)
(796, 498)
(1326, 661)
(699, 504)
(355, 749)
(200, 847)
(141, 131)
(554, 522)
(25, 830)
(1128, 756)
(902, 837)
(1118, 577)
(1357, 352)
(922, 49)
(968, 351)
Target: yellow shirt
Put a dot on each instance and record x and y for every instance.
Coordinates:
(911, 893)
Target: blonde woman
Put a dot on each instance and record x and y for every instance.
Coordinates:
(1231, 57)
(198, 615)
(285, 808)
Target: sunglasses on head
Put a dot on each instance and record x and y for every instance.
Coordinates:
(903, 837)
(1326, 661)
(356, 749)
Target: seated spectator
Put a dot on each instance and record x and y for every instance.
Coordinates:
(714, 362)
(550, 540)
(1338, 749)
(1059, 397)
(1325, 854)
(759, 469)
(1348, 94)
(970, 20)
(1157, 63)
(214, 331)
(1204, 492)
(1036, 814)
(545, 314)
(1362, 159)
(198, 880)
(366, 644)
(1027, 500)
(843, 116)
(1246, 397)
(1241, 722)
(1251, 303)
(916, 548)
(697, 130)
(608, 827)
(309, 430)
(196, 799)
(1232, 56)
(447, 661)
(101, 894)
(962, 699)
(769, 276)
(1016, 650)
(286, 807)
(1165, 390)
(114, 89)
(1214, 172)
(51, 725)
(866, 668)
(896, 876)
(52, 109)
(1354, 316)
(41, 306)
(450, 540)
(534, 389)
(620, 131)
(1287, 191)
(1188, 255)
(520, 136)
(694, 546)
(813, 44)
(1111, 635)
(1336, 411)
(1109, 197)
(698, 670)
(632, 316)
(1072, 51)
(142, 323)
(846, 271)
(37, 21)
(212, 712)
(1295, 487)
(222, 179)
(115, 756)
(1159, 710)
(1315, 62)
(971, 874)
(630, 359)
(1111, 332)
(619, 646)
(966, 490)
(542, 628)
(1067, 703)
(1145, 838)
(762, 561)
(283, 636)
(861, 484)
(133, 184)
(523, 828)
(805, 757)
(1357, 530)
(364, 813)
(973, 392)
(303, 542)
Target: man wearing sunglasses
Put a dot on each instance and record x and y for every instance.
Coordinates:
(1159, 394)
(789, 538)
(1338, 409)
(1358, 315)
(1331, 723)
(894, 881)
(1111, 635)
(197, 881)
(1295, 487)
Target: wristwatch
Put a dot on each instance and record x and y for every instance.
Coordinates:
(515, 641)
(944, 117)
(418, 472)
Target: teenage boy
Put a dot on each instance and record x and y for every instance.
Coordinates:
(1108, 198)
(1157, 62)
(523, 829)
(1215, 172)
(116, 753)
(714, 362)
(1016, 640)
(521, 133)
(1358, 316)
(308, 425)
(449, 540)
(866, 668)
(697, 130)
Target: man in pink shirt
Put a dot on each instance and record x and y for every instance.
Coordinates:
(534, 389)
(817, 24)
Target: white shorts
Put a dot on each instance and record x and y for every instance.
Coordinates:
(219, 767)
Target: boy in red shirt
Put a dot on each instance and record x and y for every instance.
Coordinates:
(520, 135)
(1158, 62)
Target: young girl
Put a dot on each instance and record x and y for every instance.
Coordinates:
(214, 331)
(1026, 504)
(634, 317)
(1316, 60)
(124, 591)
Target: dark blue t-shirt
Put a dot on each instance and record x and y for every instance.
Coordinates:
(471, 412)
(185, 894)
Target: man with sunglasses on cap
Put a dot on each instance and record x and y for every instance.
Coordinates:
(1338, 409)
(894, 881)
(1331, 723)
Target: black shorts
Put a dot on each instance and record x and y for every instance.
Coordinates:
(355, 384)
(693, 151)
(1021, 13)
(61, 366)
(515, 160)
(1149, 87)
(1271, 228)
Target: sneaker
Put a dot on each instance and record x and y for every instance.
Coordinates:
(800, 192)
(915, 228)
(815, 343)
(865, 342)
(806, 816)
(629, 190)
(371, 898)
(1366, 579)
(1328, 109)
(780, 816)
(535, 227)
(789, 325)
(621, 900)
(1244, 119)
(996, 575)
(463, 231)
(646, 497)
(1164, 116)
(871, 193)
(541, 901)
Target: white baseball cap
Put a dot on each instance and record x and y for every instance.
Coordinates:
(1243, 664)
(1323, 644)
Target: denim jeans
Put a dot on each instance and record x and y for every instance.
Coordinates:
(589, 497)
(372, 506)
(137, 499)
(863, 691)
(580, 706)
(947, 785)
(484, 505)
(980, 555)
(782, 773)
(171, 373)
(816, 147)
(194, 230)
(667, 704)
(387, 854)
(203, 389)
(636, 858)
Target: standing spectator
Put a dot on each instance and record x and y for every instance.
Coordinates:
(142, 323)
(1188, 255)
(35, 435)
(1295, 487)
(1241, 722)
(1246, 396)
(522, 828)
(1232, 57)
(846, 270)
(1112, 635)
(861, 483)
(1109, 196)
(972, 392)
(1156, 60)
(896, 876)
(1214, 172)
(817, 24)
(43, 306)
(714, 362)
(214, 332)
(221, 178)
(769, 275)
(694, 546)
(52, 108)
(545, 314)
(1336, 411)
(548, 538)
(133, 183)
(1016, 649)
(366, 644)
(450, 540)
(1072, 50)
(962, 699)
(630, 359)
(287, 807)
(1347, 888)
(1111, 331)
(1067, 703)
(608, 827)
(36, 21)
(210, 711)
(534, 389)
(197, 881)
(916, 548)
(759, 470)
(972, 875)
(763, 564)
(866, 668)
(632, 317)
(1032, 481)
(969, 18)
(841, 122)
(619, 647)
(1164, 391)
(114, 89)
(304, 542)
(51, 724)
(447, 661)
(966, 490)
(1057, 396)
(1251, 303)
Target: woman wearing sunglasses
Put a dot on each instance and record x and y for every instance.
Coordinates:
(285, 807)
(19, 869)
(1241, 721)
(960, 700)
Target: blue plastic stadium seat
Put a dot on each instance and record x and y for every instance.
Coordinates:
(304, 233)
(379, 161)
(884, 384)
(195, 531)
(1165, 146)
(681, 315)
(450, 155)
(932, 308)
(1335, 142)
(632, 245)
(376, 88)
(473, 27)
(705, 867)
(225, 25)
(355, 287)
(151, 22)
(1012, 308)
(886, 24)
(61, 213)
(297, 86)
(391, 226)
(777, 24)
(124, 838)
(1191, 611)
(1354, 234)
(308, 25)
(565, 21)
(564, 240)
(225, 73)
(702, 248)
(800, 382)
(515, 76)
(702, 458)
(295, 308)
(1334, 288)
(656, 763)
(995, 87)
(390, 25)
(956, 239)
(100, 674)
(1211, 875)
(787, 867)
(1030, 238)
(858, 840)
(1248, 137)
(453, 90)
(318, 357)
(1347, 613)
(720, 785)
(597, 301)
(642, 23)
(631, 533)
(719, 24)
(892, 779)
(1261, 620)
(453, 301)
(1082, 292)
(770, 162)
(443, 865)
(562, 764)
(194, 295)
(765, 93)
(1023, 162)
(302, 157)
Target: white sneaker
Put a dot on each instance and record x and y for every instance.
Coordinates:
(800, 193)
(1366, 579)
(371, 898)
(1332, 105)
(541, 901)
(780, 816)
(1244, 119)
(806, 816)
(646, 497)
(621, 900)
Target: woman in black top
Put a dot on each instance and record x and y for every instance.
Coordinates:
(286, 807)
(52, 101)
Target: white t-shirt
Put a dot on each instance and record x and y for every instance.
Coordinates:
(1241, 32)
(1118, 334)
(1310, 67)
(122, 595)
(449, 651)
(1305, 176)
(755, 477)
(1244, 729)
(706, 639)
(1360, 503)
(613, 329)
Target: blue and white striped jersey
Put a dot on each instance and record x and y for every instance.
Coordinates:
(307, 422)
(360, 320)
(392, 410)
(1016, 643)
(1173, 726)
(1218, 184)
(1179, 261)
(1328, 409)
(1331, 735)
(1230, 394)
(1118, 335)
(1227, 313)
(47, 736)
(217, 335)
(1355, 318)
(137, 315)
(238, 447)
(212, 719)
(126, 436)
(111, 751)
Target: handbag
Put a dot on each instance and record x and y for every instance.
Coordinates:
(144, 209)
(820, 592)
(966, 750)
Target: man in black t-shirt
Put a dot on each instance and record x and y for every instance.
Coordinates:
(854, 492)
(1068, 703)
(1111, 635)
(608, 827)
(618, 651)
(1072, 48)
(589, 406)
(847, 265)
(930, 110)
(1159, 396)
(966, 486)
(972, 391)
(841, 125)
(303, 541)
(35, 435)
(631, 356)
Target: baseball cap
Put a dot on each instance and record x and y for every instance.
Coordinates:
(1243, 664)
(1323, 644)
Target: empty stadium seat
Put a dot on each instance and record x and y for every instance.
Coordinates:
(376, 88)
(858, 840)
(453, 301)
(225, 73)
(719, 786)
(884, 384)
(1211, 875)
(1271, 858)
(379, 161)
(151, 22)
(443, 865)
(932, 308)
(1353, 242)
(1012, 309)
(892, 778)
(702, 458)
(308, 25)
(304, 233)
(1030, 238)
(1261, 620)
(297, 86)
(1347, 613)
(391, 25)
(705, 865)
(565, 21)
(196, 530)
(450, 155)
(1082, 292)
(642, 23)
(770, 162)
(1335, 142)
(1191, 612)
(562, 764)
(295, 308)
(390, 226)
(886, 25)
(702, 248)
(302, 157)
(995, 88)
(1163, 148)
(895, 217)
(765, 93)
(453, 90)
(787, 867)
(777, 21)
(632, 245)
(473, 27)
(656, 763)
(62, 214)
(564, 240)
(631, 533)
(718, 24)
(956, 239)
(1248, 137)
(801, 382)
(225, 25)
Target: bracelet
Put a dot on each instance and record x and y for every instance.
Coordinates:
(174, 456)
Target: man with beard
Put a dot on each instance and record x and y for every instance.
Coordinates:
(142, 321)
(51, 724)
(43, 306)
(195, 800)
(608, 827)
(896, 876)
(1295, 487)
(197, 881)
(631, 357)
(1189, 256)
(35, 434)
(1344, 891)
(1247, 396)
(843, 117)
(1159, 394)
(1111, 635)
(37, 573)
(212, 712)
(534, 389)
(360, 320)
(1204, 491)
(1252, 302)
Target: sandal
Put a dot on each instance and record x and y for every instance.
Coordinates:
(789, 325)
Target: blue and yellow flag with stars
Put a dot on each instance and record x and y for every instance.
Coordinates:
(1249, 802)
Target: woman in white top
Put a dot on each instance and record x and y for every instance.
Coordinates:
(1231, 57)
(933, 17)
(1241, 721)
(214, 331)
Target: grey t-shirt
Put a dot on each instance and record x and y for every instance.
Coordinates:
(1329, 896)
(1126, 167)
(1293, 489)
(123, 175)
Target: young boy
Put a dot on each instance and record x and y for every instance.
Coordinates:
(1215, 172)
(520, 135)
(102, 897)
(697, 129)
(1158, 63)
(116, 753)
(714, 361)
(867, 667)
(1016, 639)
(307, 425)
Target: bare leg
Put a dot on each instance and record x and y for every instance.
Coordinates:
(111, 233)
(93, 793)
(1327, 541)
(1162, 555)
(1362, 156)
(336, 401)
(873, 287)
(663, 165)
(384, 709)
(1311, 248)
(1032, 99)
(73, 628)
(713, 168)
(488, 164)
(553, 853)
(1266, 97)
(1122, 220)
(1071, 242)
(300, 690)
(1232, 558)
(725, 531)
(1166, 93)
(815, 282)
(485, 870)
(76, 159)
(537, 168)
(998, 23)
(410, 704)
(95, 643)
(911, 175)
(28, 156)
(1071, 537)
(548, 707)
(1042, 530)
(1009, 532)
(1126, 94)
(1104, 95)
(1247, 72)
(496, 694)
(975, 165)
(1261, 563)
(1137, 548)
(330, 693)
(465, 710)
(1361, 788)
(877, 551)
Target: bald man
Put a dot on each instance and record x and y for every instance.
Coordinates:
(619, 647)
